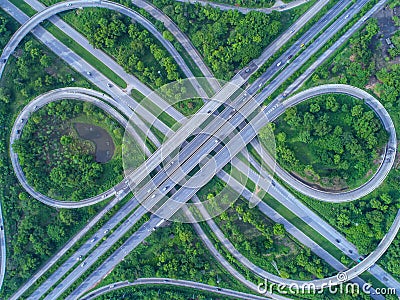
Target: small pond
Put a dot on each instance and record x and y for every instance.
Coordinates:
(100, 137)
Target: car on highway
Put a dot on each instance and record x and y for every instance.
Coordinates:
(165, 188)
(106, 231)
(289, 57)
(360, 259)
(83, 264)
(80, 257)
(93, 239)
(109, 85)
(153, 196)
(346, 16)
(89, 73)
(291, 31)
(278, 64)
(68, 4)
(302, 45)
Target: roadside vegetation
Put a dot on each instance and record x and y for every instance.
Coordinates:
(133, 47)
(173, 251)
(331, 141)
(228, 40)
(34, 231)
(58, 162)
(246, 3)
(268, 245)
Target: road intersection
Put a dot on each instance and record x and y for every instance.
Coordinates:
(272, 110)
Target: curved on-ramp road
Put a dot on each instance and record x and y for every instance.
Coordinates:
(386, 163)
(81, 94)
(175, 282)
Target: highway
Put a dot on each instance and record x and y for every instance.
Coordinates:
(186, 193)
(71, 263)
(27, 26)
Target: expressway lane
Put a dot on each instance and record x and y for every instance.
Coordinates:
(186, 193)
(174, 282)
(168, 185)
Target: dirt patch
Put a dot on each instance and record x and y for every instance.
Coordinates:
(104, 144)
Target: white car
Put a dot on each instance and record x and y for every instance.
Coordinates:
(278, 64)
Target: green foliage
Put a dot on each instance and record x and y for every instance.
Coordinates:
(173, 252)
(320, 142)
(6, 29)
(55, 160)
(133, 47)
(228, 40)
(266, 243)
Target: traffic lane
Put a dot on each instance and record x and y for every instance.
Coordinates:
(85, 248)
(295, 48)
(169, 281)
(97, 252)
